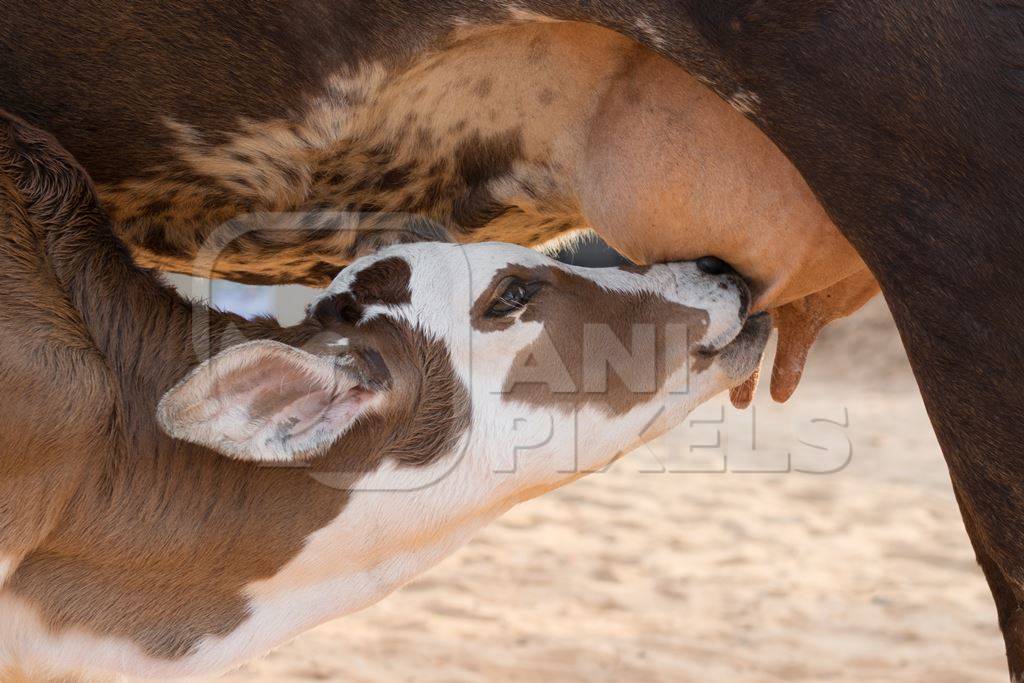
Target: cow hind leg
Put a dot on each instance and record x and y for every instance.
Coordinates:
(1009, 607)
(1011, 615)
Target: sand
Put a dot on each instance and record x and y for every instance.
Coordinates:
(666, 568)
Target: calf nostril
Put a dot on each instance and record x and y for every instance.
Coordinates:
(711, 265)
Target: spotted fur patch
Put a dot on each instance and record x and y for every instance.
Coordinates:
(384, 156)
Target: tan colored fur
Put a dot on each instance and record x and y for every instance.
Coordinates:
(388, 149)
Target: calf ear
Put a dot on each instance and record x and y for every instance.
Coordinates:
(264, 401)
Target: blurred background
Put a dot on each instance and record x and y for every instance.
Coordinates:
(808, 542)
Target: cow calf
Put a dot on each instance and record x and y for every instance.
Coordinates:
(161, 516)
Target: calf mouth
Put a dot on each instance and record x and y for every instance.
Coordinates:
(713, 347)
(753, 334)
(741, 356)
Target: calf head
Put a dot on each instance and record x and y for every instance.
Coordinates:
(491, 350)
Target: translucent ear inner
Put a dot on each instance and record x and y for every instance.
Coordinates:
(264, 401)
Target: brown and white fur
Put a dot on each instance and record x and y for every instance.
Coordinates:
(317, 468)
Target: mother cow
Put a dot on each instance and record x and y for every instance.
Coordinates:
(905, 119)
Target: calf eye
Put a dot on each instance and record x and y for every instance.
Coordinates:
(513, 297)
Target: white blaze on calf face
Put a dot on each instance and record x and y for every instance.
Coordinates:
(570, 366)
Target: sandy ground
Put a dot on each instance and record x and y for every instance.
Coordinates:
(667, 568)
